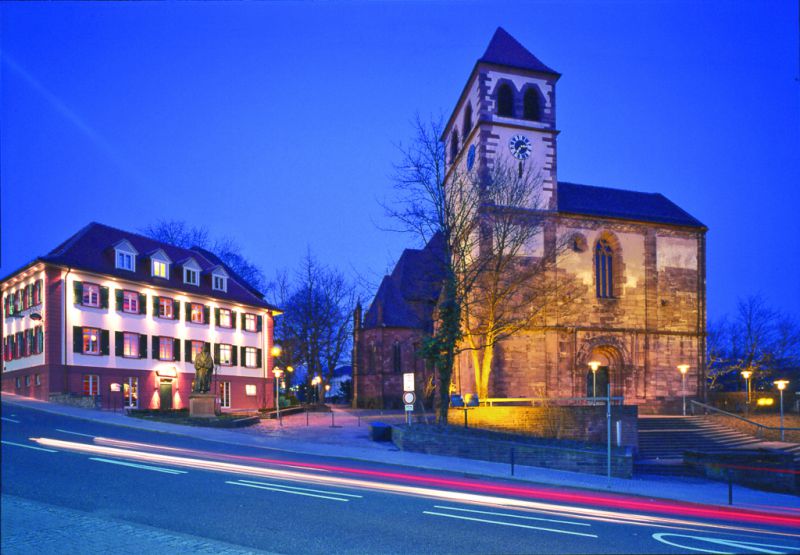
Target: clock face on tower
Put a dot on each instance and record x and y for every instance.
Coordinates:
(520, 147)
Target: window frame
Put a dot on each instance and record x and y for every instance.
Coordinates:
(121, 254)
(604, 269)
(191, 271)
(254, 329)
(87, 333)
(93, 382)
(136, 341)
(195, 352)
(200, 311)
(132, 298)
(225, 395)
(229, 348)
(248, 352)
(130, 385)
(86, 288)
(229, 312)
(162, 304)
(155, 264)
(166, 344)
(223, 283)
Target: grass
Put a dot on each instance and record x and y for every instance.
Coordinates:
(773, 420)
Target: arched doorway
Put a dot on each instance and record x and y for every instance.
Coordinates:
(611, 368)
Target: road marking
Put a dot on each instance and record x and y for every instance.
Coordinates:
(28, 446)
(302, 489)
(512, 516)
(140, 466)
(514, 524)
(73, 433)
(746, 546)
(9, 419)
(287, 491)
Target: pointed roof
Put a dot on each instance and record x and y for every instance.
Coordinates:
(505, 50)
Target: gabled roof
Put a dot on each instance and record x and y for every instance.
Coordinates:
(189, 262)
(505, 50)
(160, 254)
(618, 203)
(125, 245)
(92, 249)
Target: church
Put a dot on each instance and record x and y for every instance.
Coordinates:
(636, 321)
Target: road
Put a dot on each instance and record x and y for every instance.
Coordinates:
(168, 491)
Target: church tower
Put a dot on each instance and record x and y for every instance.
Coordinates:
(507, 111)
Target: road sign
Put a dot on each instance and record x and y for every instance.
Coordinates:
(409, 398)
(409, 408)
(408, 381)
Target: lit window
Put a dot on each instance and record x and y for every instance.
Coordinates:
(91, 295)
(91, 384)
(225, 356)
(130, 301)
(250, 390)
(165, 345)
(224, 318)
(130, 345)
(197, 348)
(159, 269)
(165, 308)
(130, 392)
(38, 379)
(250, 357)
(603, 269)
(190, 276)
(91, 341)
(124, 260)
(220, 283)
(225, 394)
(197, 314)
(250, 322)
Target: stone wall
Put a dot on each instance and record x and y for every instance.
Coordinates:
(482, 445)
(579, 423)
(83, 401)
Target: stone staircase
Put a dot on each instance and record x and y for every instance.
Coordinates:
(663, 439)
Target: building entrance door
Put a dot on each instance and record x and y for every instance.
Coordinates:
(165, 394)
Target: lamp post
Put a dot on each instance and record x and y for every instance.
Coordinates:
(781, 386)
(277, 372)
(594, 365)
(683, 368)
(747, 374)
(315, 381)
(276, 352)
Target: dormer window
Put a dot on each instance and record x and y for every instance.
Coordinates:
(124, 260)
(159, 269)
(191, 276)
(125, 256)
(220, 283)
(159, 264)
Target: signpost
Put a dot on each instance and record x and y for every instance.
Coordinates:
(408, 395)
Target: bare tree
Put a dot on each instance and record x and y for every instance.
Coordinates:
(181, 234)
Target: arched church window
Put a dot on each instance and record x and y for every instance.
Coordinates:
(505, 100)
(453, 146)
(397, 358)
(467, 119)
(604, 269)
(530, 104)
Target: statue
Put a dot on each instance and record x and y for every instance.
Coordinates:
(203, 368)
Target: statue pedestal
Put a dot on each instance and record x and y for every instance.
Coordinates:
(201, 405)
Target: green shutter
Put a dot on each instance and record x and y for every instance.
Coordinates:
(241, 320)
(242, 355)
(206, 315)
(118, 295)
(103, 297)
(258, 323)
(235, 319)
(119, 345)
(78, 288)
(258, 358)
(234, 358)
(176, 349)
(104, 339)
(40, 287)
(187, 350)
(154, 344)
(216, 353)
(176, 310)
(188, 312)
(77, 339)
(40, 339)
(142, 346)
(216, 317)
(155, 306)
(142, 304)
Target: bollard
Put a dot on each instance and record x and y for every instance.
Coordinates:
(512, 461)
(332, 426)
(730, 487)
(306, 417)
(465, 418)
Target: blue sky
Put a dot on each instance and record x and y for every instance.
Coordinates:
(276, 123)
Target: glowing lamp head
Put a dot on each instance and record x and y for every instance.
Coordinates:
(277, 372)
(746, 374)
(683, 368)
(594, 365)
(290, 368)
(276, 350)
(781, 384)
(327, 387)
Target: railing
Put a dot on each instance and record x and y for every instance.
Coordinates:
(537, 401)
(760, 428)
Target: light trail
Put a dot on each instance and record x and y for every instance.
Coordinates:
(677, 508)
(427, 492)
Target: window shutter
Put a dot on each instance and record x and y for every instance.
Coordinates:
(119, 346)
(258, 358)
(142, 304)
(258, 323)
(155, 306)
(77, 339)
(104, 341)
(176, 310)
(234, 319)
(242, 355)
(104, 297)
(216, 353)
(40, 289)
(154, 343)
(39, 339)
(207, 345)
(143, 346)
(176, 349)
(24, 340)
(216, 317)
(241, 320)
(187, 350)
(118, 295)
(188, 311)
(234, 352)
(78, 287)
(206, 315)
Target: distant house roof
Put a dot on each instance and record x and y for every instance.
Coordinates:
(92, 249)
(406, 298)
(505, 50)
(618, 203)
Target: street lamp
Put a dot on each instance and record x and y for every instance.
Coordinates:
(683, 368)
(277, 372)
(781, 386)
(315, 381)
(594, 365)
(747, 374)
(276, 352)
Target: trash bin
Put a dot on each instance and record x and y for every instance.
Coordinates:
(380, 431)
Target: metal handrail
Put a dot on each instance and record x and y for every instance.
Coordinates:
(743, 419)
(501, 400)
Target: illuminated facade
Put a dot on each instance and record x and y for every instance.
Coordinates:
(636, 264)
(114, 319)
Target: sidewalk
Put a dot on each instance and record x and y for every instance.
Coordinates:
(348, 440)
